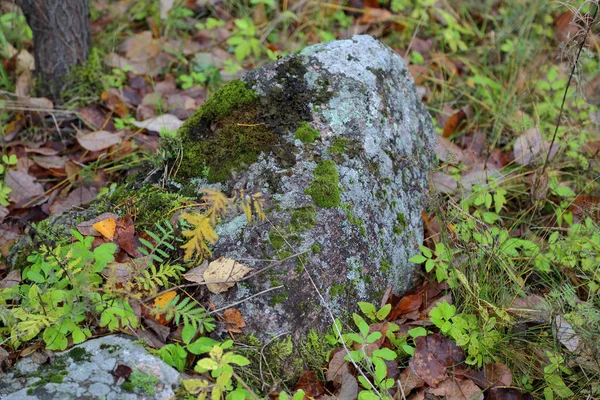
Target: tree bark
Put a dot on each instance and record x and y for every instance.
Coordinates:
(61, 38)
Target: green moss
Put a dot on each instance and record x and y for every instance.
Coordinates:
(303, 218)
(385, 266)
(337, 290)
(278, 298)
(225, 134)
(339, 146)
(110, 347)
(148, 204)
(324, 189)
(277, 241)
(400, 223)
(306, 133)
(85, 81)
(145, 382)
(79, 354)
(316, 249)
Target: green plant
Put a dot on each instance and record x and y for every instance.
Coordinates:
(144, 381)
(441, 262)
(220, 365)
(6, 162)
(552, 377)
(477, 338)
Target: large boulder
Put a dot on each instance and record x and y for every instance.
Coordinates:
(112, 367)
(339, 143)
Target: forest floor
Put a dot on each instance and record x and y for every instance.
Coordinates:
(512, 248)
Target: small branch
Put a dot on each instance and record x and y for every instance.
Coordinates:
(246, 299)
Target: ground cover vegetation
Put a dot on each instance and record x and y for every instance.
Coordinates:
(509, 307)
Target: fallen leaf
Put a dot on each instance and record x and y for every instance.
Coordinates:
(498, 374)
(233, 320)
(453, 123)
(407, 304)
(196, 274)
(79, 196)
(564, 27)
(433, 354)
(310, 384)
(374, 15)
(49, 162)
(530, 146)
(86, 228)
(106, 227)
(507, 394)
(25, 187)
(157, 124)
(337, 367)
(443, 183)
(99, 140)
(457, 389)
(408, 381)
(13, 278)
(565, 334)
(160, 302)
(448, 151)
(225, 272)
(348, 389)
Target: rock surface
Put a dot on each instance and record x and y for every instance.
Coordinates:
(344, 209)
(85, 372)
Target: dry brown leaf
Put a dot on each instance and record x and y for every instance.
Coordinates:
(13, 278)
(457, 389)
(157, 124)
(443, 183)
(448, 151)
(337, 367)
(408, 380)
(99, 140)
(225, 272)
(106, 227)
(233, 320)
(196, 274)
(25, 187)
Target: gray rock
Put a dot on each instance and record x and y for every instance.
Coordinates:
(344, 214)
(84, 372)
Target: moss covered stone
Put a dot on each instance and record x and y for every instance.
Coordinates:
(305, 133)
(324, 189)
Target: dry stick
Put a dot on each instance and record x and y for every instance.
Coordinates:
(326, 305)
(564, 99)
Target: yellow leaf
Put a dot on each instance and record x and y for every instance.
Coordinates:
(106, 227)
(225, 272)
(160, 303)
(217, 204)
(202, 234)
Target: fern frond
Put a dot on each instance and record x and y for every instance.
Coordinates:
(217, 204)
(156, 251)
(153, 278)
(188, 312)
(200, 236)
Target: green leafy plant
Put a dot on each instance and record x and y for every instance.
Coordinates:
(478, 339)
(7, 161)
(220, 365)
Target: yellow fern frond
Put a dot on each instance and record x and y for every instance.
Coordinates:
(199, 237)
(217, 204)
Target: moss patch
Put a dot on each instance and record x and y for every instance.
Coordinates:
(148, 204)
(303, 218)
(400, 223)
(225, 134)
(305, 133)
(78, 354)
(324, 189)
(339, 146)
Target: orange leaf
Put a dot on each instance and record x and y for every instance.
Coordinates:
(106, 227)
(160, 302)
(234, 320)
(453, 123)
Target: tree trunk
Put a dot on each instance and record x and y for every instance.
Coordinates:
(61, 37)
